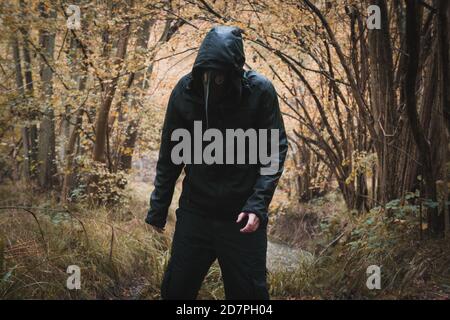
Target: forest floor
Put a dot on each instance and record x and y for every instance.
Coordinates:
(120, 257)
(118, 254)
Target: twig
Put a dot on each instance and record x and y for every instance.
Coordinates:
(35, 219)
(332, 243)
(112, 243)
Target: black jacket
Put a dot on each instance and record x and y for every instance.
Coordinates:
(219, 190)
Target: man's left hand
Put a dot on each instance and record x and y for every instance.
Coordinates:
(252, 222)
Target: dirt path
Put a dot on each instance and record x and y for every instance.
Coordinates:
(281, 256)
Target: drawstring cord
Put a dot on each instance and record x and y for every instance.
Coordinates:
(206, 82)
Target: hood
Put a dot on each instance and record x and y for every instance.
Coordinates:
(222, 48)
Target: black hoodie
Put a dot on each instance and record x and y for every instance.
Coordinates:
(221, 191)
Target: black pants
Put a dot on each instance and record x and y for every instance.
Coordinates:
(198, 241)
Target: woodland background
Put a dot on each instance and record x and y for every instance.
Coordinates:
(367, 112)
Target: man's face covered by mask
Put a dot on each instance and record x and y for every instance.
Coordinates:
(215, 85)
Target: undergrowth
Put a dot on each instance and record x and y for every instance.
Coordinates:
(347, 243)
(120, 257)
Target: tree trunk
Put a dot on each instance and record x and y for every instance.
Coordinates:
(110, 89)
(435, 225)
(129, 144)
(25, 129)
(46, 146)
(29, 87)
(443, 28)
(382, 97)
(131, 133)
(70, 153)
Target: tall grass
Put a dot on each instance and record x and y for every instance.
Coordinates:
(410, 268)
(120, 257)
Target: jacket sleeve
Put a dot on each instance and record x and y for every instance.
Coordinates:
(167, 172)
(265, 185)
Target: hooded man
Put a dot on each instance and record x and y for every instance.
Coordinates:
(223, 208)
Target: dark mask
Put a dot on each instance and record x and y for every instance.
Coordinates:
(215, 85)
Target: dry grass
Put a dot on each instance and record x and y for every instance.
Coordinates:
(298, 224)
(118, 256)
(122, 258)
(410, 269)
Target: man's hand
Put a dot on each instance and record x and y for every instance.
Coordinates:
(252, 222)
